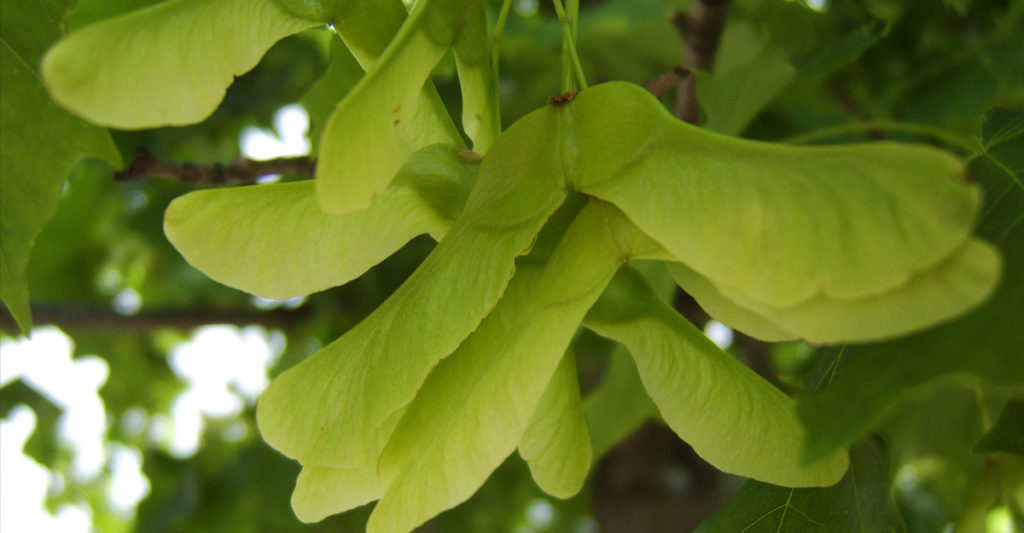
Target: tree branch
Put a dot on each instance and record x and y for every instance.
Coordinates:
(701, 30)
(666, 81)
(96, 318)
(237, 172)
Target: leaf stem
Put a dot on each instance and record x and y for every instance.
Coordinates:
(570, 60)
(888, 125)
(499, 29)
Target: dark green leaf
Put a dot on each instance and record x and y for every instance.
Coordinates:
(1007, 435)
(41, 144)
(732, 99)
(823, 60)
(42, 444)
(986, 343)
(860, 503)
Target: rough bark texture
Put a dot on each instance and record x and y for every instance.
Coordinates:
(240, 171)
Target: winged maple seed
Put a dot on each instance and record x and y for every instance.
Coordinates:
(415, 406)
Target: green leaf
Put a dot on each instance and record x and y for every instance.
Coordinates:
(167, 64)
(618, 406)
(999, 168)
(995, 478)
(985, 343)
(385, 105)
(931, 434)
(820, 61)
(273, 241)
(860, 503)
(835, 222)
(42, 143)
(479, 401)
(960, 6)
(556, 445)
(383, 361)
(43, 444)
(731, 417)
(732, 99)
(1007, 434)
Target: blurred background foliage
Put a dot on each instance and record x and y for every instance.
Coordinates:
(103, 272)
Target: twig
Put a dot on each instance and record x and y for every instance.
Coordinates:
(239, 171)
(96, 318)
(666, 81)
(701, 30)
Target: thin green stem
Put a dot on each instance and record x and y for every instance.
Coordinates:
(572, 9)
(888, 125)
(570, 60)
(499, 29)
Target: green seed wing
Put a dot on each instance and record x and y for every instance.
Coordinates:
(556, 444)
(348, 390)
(273, 240)
(731, 417)
(381, 121)
(780, 224)
(164, 65)
(960, 283)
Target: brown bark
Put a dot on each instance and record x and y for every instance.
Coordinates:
(653, 482)
(239, 171)
(701, 29)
